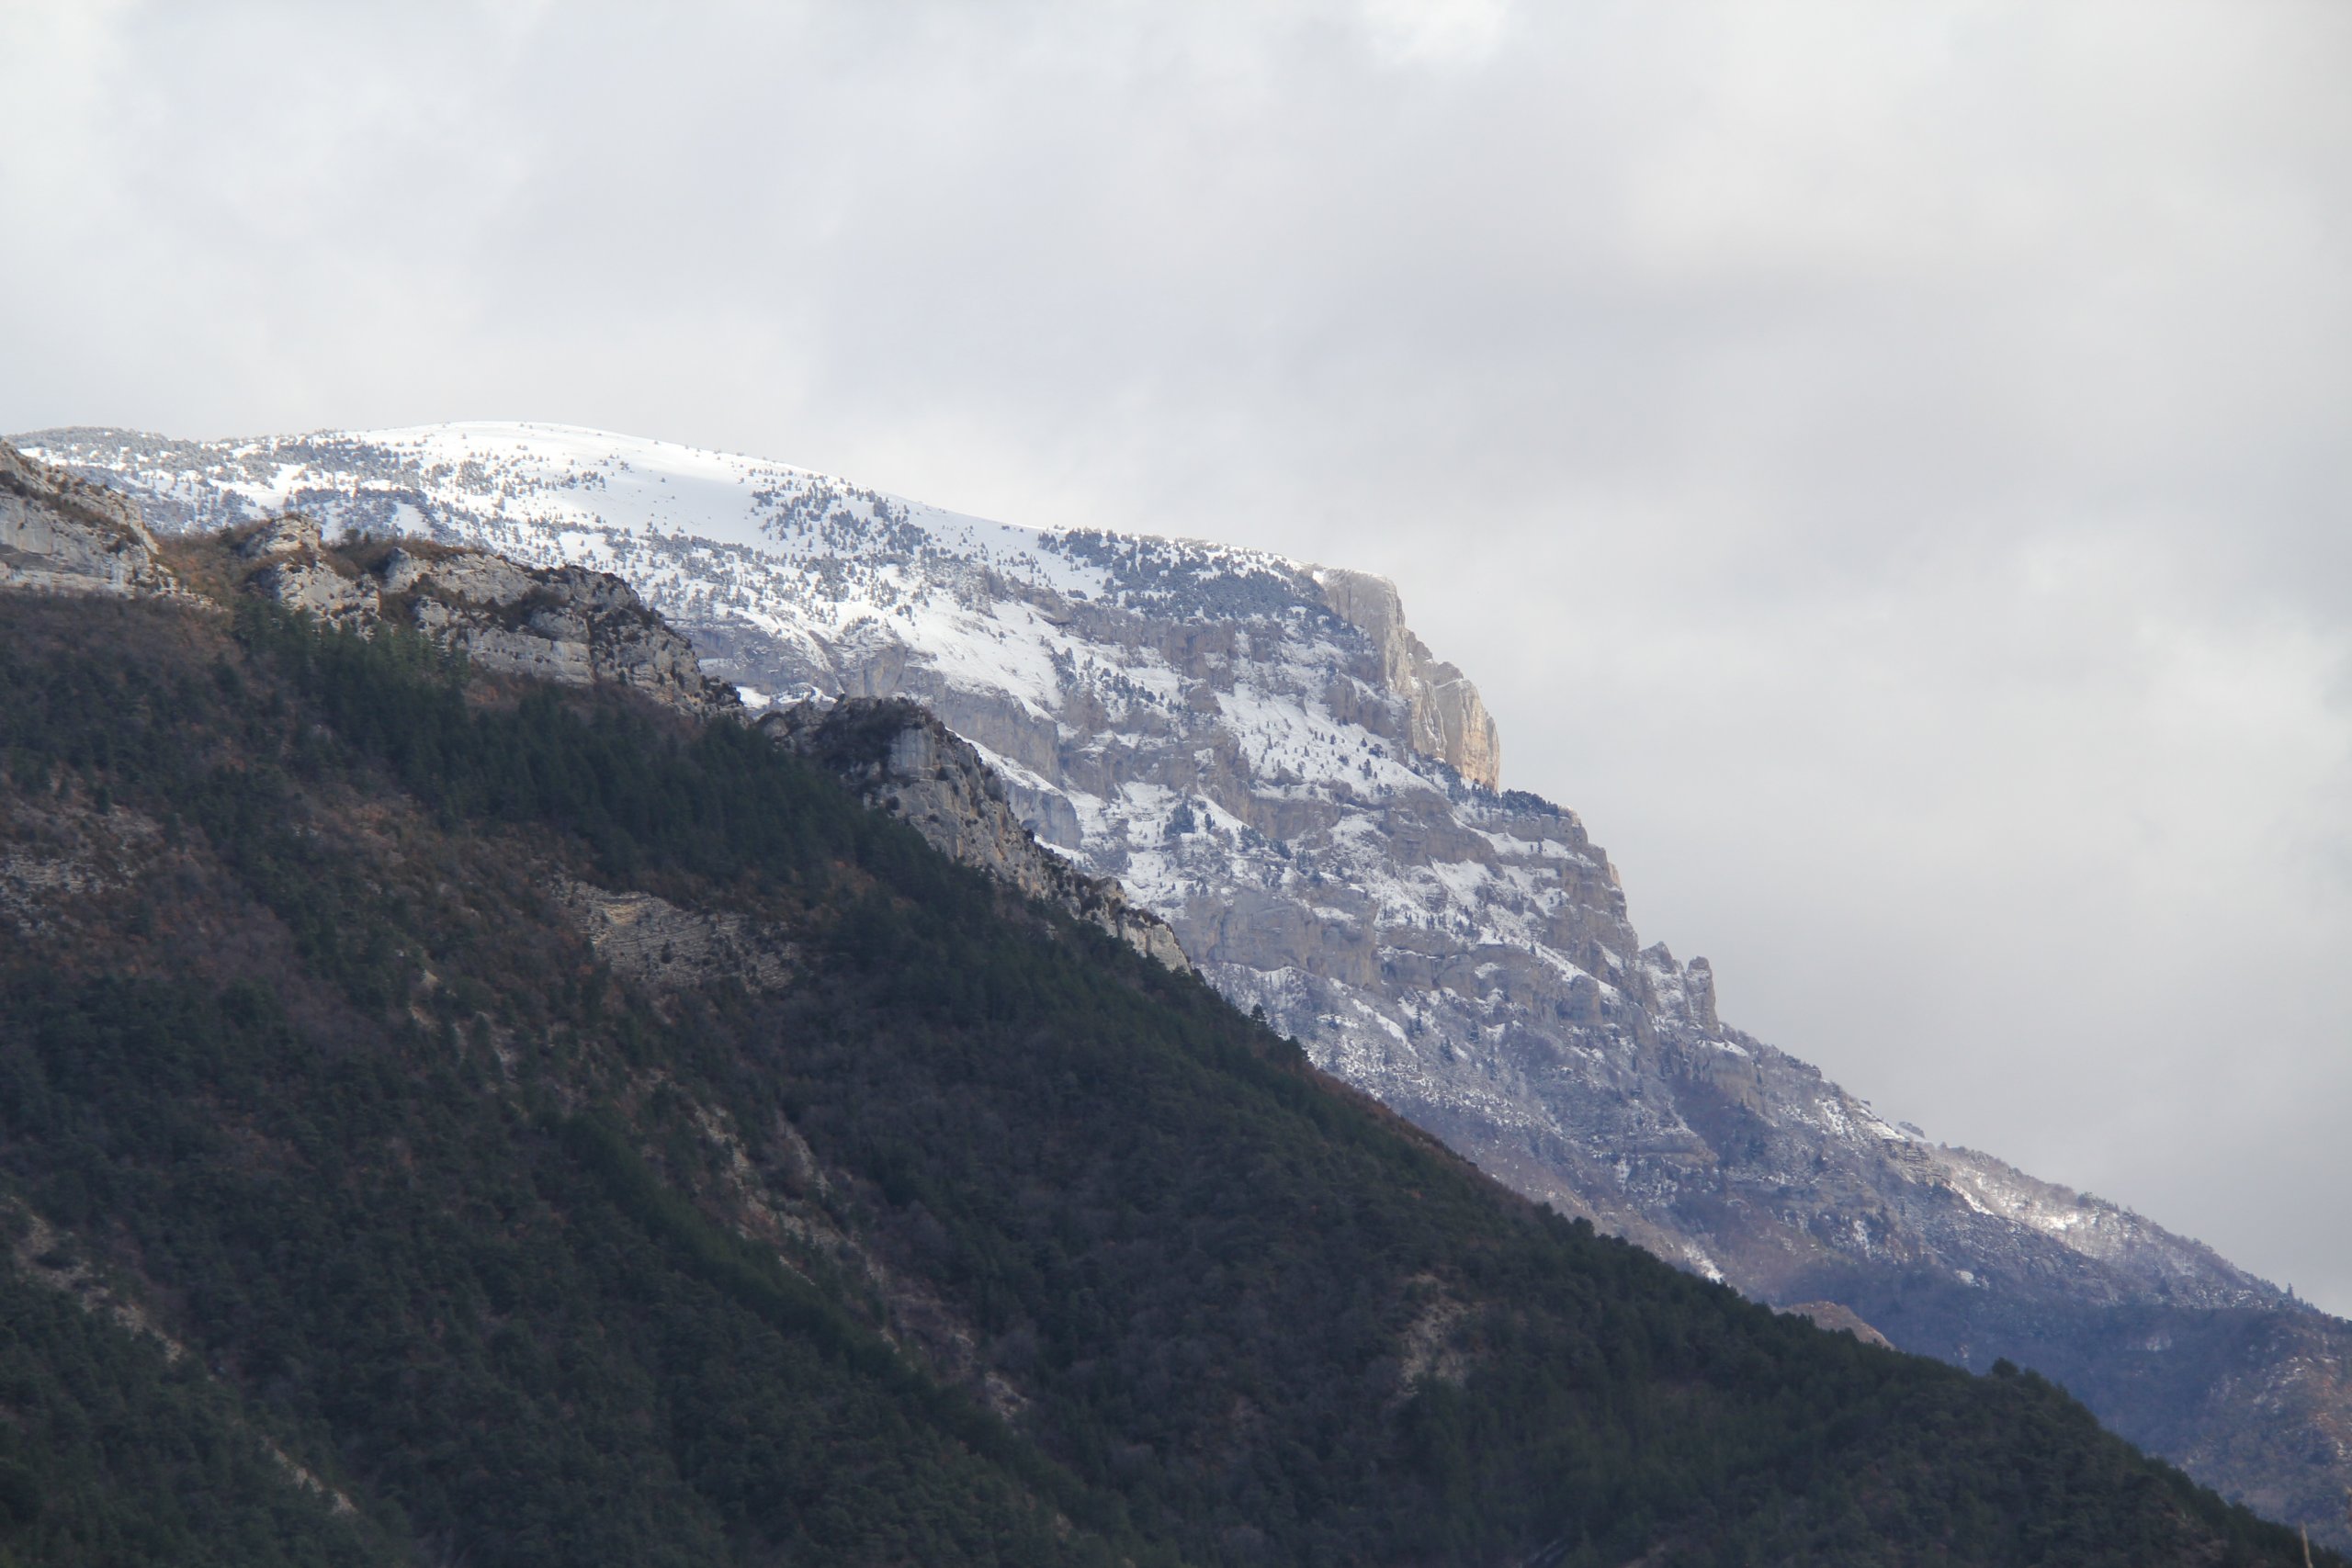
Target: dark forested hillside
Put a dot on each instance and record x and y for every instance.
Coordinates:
(399, 1168)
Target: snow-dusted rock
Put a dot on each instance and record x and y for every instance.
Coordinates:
(901, 759)
(1446, 718)
(60, 533)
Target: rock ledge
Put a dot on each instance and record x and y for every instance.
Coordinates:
(901, 758)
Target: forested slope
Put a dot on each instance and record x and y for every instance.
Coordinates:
(954, 1232)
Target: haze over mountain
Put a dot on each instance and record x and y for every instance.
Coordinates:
(1265, 756)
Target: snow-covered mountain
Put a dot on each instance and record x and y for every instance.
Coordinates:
(1265, 756)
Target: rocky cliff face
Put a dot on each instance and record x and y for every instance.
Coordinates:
(63, 534)
(901, 759)
(1264, 756)
(563, 623)
(1444, 718)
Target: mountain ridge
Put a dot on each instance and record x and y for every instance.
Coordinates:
(342, 1036)
(1244, 742)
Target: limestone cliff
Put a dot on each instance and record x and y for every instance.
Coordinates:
(901, 758)
(63, 534)
(1448, 720)
(563, 623)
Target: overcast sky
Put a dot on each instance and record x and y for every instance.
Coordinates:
(1885, 465)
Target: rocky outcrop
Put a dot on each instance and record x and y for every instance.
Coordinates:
(901, 759)
(1839, 1320)
(1449, 721)
(292, 534)
(59, 532)
(653, 940)
(565, 624)
(63, 534)
(298, 571)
